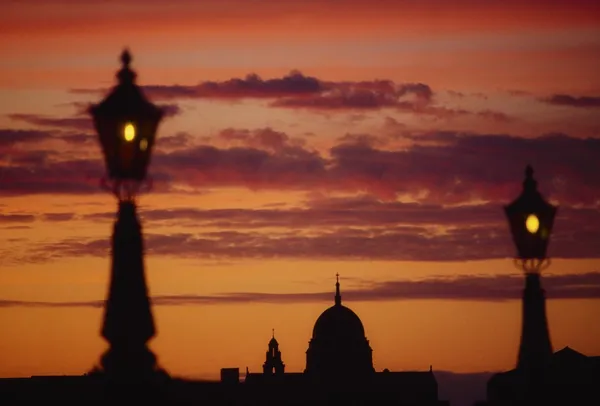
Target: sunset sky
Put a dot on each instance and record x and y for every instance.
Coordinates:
(378, 139)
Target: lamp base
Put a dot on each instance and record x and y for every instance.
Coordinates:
(127, 374)
(129, 364)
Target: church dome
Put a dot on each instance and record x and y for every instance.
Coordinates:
(339, 348)
(338, 322)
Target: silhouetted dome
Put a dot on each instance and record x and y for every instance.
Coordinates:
(338, 348)
(338, 322)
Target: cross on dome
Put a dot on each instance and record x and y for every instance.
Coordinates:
(338, 296)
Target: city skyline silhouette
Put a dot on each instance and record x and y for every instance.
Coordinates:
(379, 144)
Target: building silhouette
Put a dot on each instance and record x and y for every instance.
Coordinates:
(339, 370)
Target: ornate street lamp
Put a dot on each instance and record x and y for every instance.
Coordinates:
(126, 123)
(531, 219)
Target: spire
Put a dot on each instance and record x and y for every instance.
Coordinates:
(273, 342)
(338, 296)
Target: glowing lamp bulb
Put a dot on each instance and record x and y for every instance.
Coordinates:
(129, 132)
(532, 223)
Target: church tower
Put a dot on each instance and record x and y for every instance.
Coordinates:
(273, 364)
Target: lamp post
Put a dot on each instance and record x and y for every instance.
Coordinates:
(126, 123)
(531, 219)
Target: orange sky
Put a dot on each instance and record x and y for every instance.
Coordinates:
(270, 188)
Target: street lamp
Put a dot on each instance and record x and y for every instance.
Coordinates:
(126, 123)
(531, 219)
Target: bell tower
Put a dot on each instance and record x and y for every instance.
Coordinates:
(273, 364)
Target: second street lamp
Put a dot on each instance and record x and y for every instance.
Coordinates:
(531, 219)
(126, 123)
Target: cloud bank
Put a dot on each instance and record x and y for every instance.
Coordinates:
(465, 287)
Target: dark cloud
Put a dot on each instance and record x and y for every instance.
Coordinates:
(38, 174)
(344, 212)
(176, 141)
(416, 98)
(15, 143)
(170, 110)
(464, 287)
(78, 139)
(573, 101)
(76, 123)
(494, 116)
(354, 99)
(345, 228)
(206, 166)
(367, 140)
(58, 216)
(297, 90)
(81, 122)
(33, 163)
(456, 94)
(11, 137)
(16, 218)
(457, 167)
(252, 86)
(266, 138)
(263, 139)
(21, 303)
(437, 168)
(372, 238)
(363, 95)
